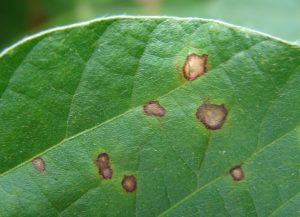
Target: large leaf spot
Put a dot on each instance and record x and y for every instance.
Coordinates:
(103, 165)
(195, 66)
(212, 116)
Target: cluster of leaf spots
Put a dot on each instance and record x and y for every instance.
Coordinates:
(211, 115)
(103, 165)
(129, 182)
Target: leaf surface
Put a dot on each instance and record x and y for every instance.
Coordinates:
(69, 94)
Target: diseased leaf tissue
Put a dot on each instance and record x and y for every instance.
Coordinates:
(96, 121)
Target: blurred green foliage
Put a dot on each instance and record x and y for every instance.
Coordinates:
(21, 17)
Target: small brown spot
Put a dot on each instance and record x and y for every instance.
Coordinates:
(194, 66)
(129, 183)
(102, 163)
(211, 115)
(106, 173)
(102, 160)
(153, 108)
(237, 173)
(39, 164)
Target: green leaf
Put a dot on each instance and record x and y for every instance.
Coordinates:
(70, 94)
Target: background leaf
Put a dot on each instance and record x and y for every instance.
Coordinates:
(21, 17)
(68, 95)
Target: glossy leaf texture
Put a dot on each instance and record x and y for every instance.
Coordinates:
(116, 87)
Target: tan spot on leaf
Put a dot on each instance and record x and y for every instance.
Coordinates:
(129, 183)
(103, 165)
(237, 173)
(106, 173)
(211, 115)
(195, 66)
(153, 108)
(39, 164)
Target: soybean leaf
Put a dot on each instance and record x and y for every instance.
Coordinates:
(106, 118)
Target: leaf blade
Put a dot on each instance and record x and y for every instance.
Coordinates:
(153, 148)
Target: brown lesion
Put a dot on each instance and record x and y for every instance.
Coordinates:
(212, 116)
(129, 183)
(103, 165)
(153, 108)
(39, 164)
(195, 65)
(237, 173)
